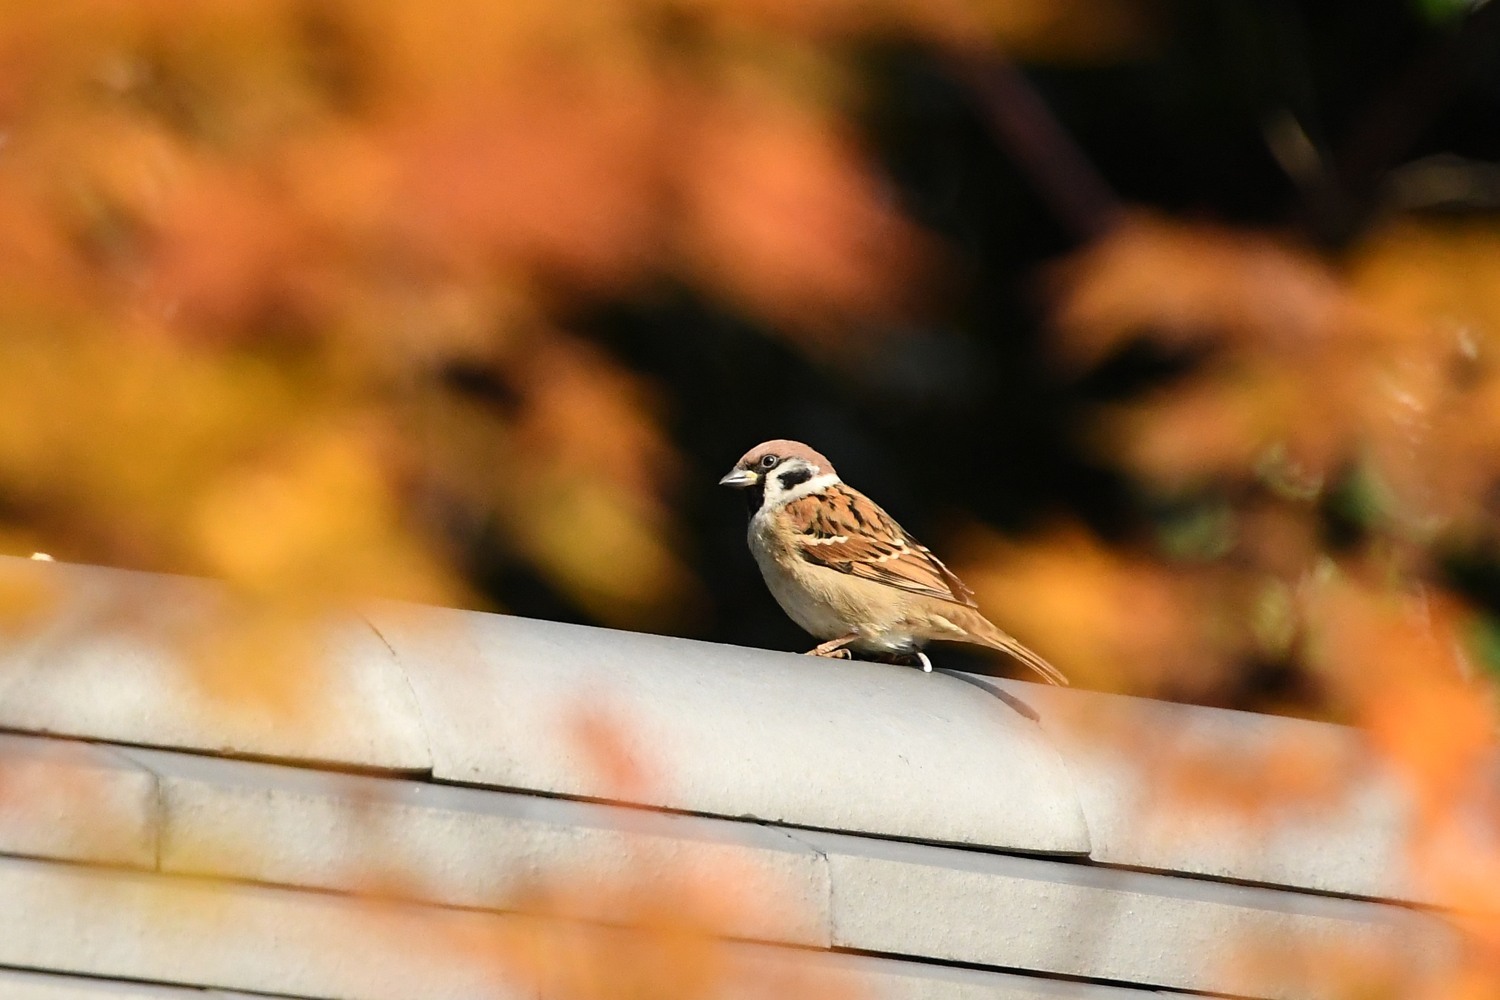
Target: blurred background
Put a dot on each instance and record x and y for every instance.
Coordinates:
(1172, 326)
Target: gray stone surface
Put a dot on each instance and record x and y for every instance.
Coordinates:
(22, 984)
(76, 919)
(729, 731)
(1101, 923)
(827, 977)
(134, 658)
(863, 977)
(481, 848)
(229, 936)
(17, 984)
(280, 880)
(1350, 841)
(65, 799)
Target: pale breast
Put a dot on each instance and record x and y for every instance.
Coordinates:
(785, 579)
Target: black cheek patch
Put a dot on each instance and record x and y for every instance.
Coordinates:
(794, 477)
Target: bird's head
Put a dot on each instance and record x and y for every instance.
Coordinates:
(774, 472)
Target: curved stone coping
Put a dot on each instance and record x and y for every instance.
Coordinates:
(75, 922)
(708, 729)
(727, 731)
(105, 659)
(1348, 838)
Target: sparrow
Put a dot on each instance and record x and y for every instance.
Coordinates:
(844, 570)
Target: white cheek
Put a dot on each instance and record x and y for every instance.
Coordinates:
(776, 495)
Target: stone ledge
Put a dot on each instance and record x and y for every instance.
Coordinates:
(228, 936)
(727, 731)
(72, 800)
(479, 848)
(1348, 839)
(108, 661)
(1099, 923)
(702, 728)
(20, 984)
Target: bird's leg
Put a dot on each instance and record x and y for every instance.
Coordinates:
(834, 648)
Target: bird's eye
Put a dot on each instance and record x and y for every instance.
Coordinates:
(768, 462)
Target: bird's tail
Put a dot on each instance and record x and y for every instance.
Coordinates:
(986, 633)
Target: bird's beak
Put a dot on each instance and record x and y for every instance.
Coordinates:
(739, 478)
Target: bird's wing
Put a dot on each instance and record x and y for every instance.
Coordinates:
(844, 530)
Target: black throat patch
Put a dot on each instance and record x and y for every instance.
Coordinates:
(755, 495)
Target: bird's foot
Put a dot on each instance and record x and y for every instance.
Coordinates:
(838, 649)
(834, 649)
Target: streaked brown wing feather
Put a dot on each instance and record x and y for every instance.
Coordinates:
(846, 531)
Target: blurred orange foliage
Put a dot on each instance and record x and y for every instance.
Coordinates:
(1363, 386)
(243, 242)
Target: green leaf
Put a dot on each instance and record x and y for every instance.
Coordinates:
(1483, 640)
(1445, 11)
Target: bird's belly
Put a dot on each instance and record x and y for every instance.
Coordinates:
(831, 605)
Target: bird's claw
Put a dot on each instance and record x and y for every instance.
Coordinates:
(915, 658)
(834, 649)
(837, 649)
